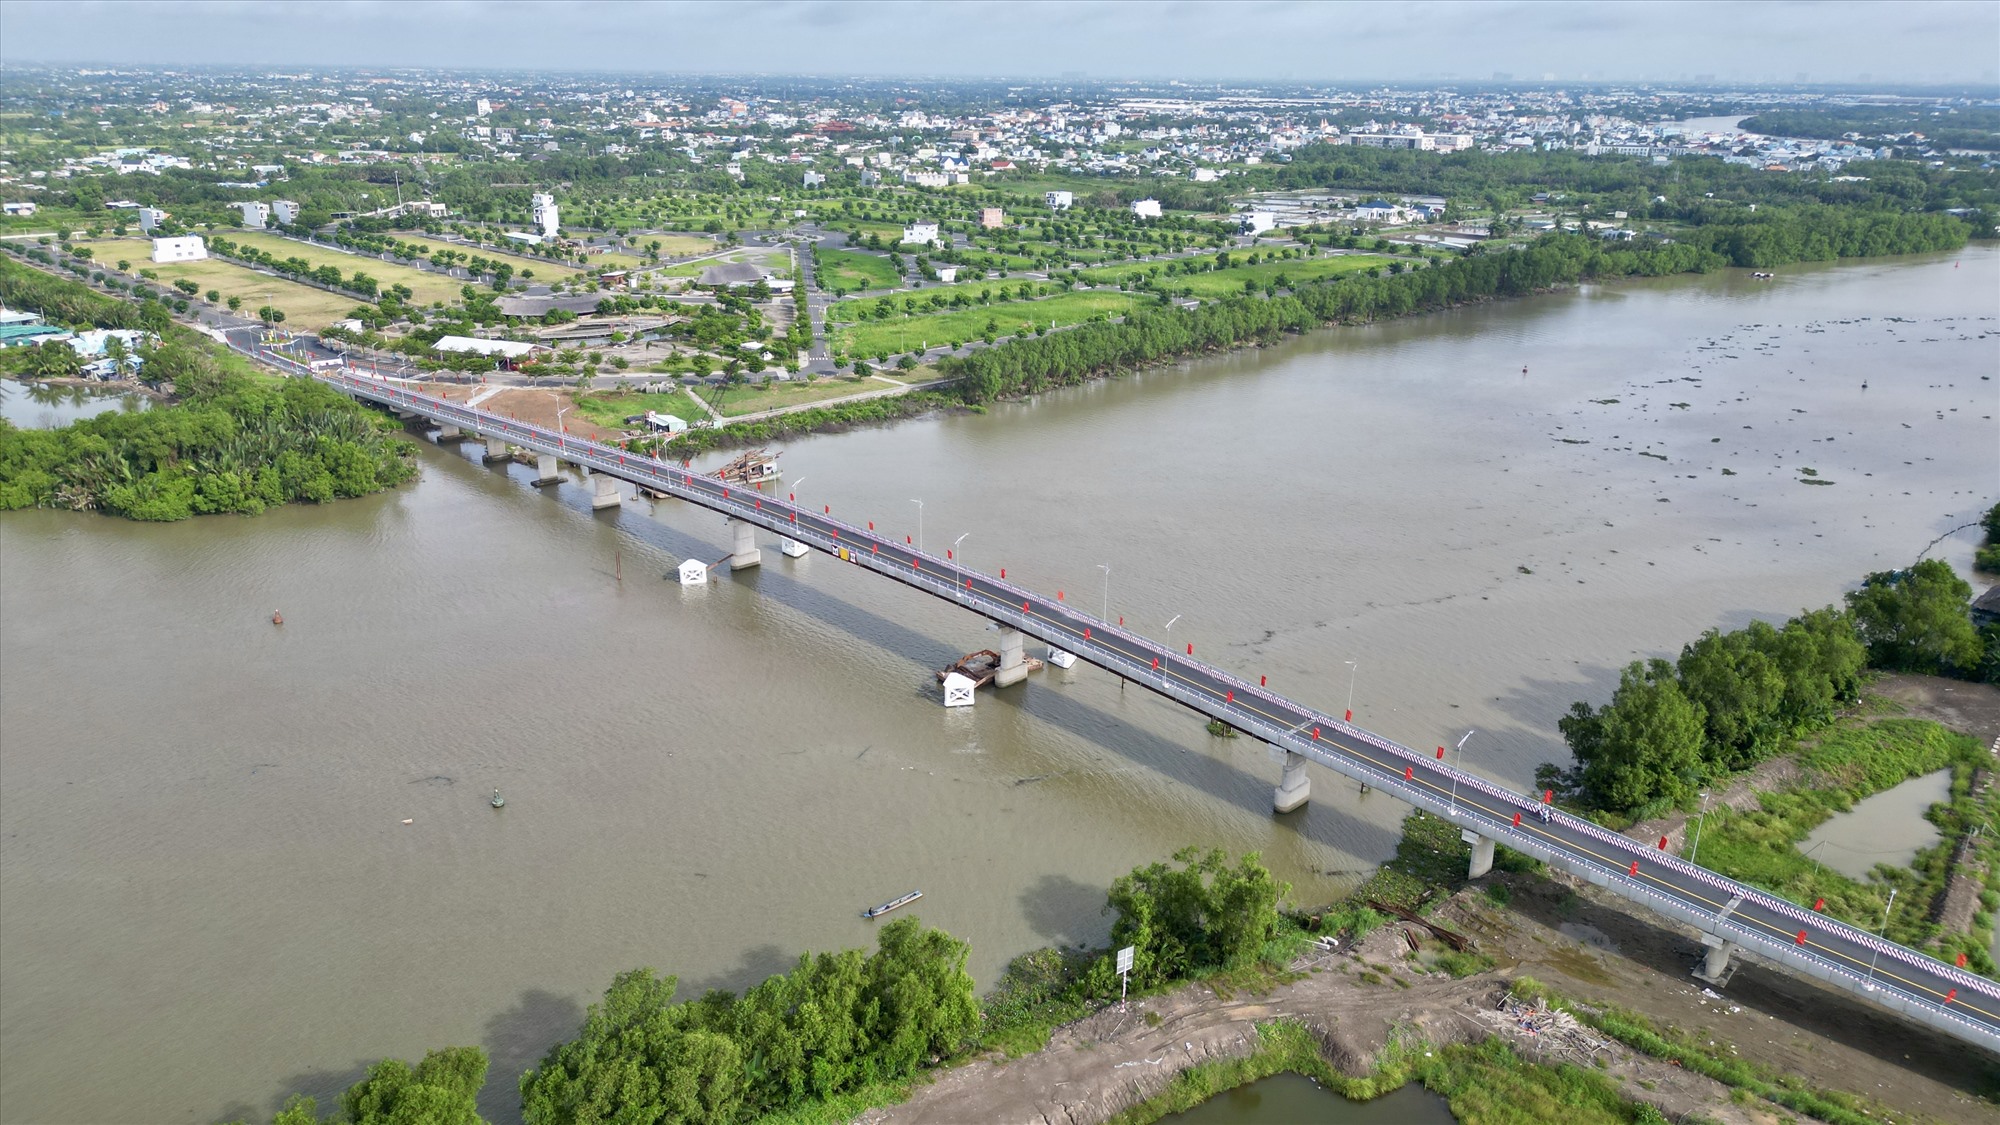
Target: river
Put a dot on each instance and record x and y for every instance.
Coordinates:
(211, 898)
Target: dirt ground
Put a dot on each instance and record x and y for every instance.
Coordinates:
(536, 405)
(1573, 938)
(1096, 1067)
(1972, 709)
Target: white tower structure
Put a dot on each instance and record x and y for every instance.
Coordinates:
(545, 214)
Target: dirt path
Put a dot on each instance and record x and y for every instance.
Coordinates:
(1099, 1066)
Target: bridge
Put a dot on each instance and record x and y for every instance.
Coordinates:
(1730, 916)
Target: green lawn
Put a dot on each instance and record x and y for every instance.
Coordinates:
(847, 269)
(429, 287)
(611, 408)
(1221, 283)
(303, 305)
(732, 402)
(901, 334)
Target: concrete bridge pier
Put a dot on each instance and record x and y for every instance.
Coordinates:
(1482, 853)
(1013, 669)
(1715, 964)
(449, 433)
(744, 554)
(1294, 787)
(547, 469)
(604, 492)
(497, 449)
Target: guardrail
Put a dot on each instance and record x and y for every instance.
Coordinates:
(1079, 633)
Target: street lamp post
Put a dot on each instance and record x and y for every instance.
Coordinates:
(1461, 769)
(1694, 853)
(1353, 666)
(1810, 855)
(1883, 934)
(958, 563)
(920, 525)
(1106, 614)
(792, 493)
(561, 441)
(1170, 650)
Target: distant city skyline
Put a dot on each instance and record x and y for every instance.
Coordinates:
(1914, 42)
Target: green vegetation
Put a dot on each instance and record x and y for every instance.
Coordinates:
(835, 1023)
(443, 1089)
(236, 441)
(611, 408)
(1853, 760)
(1484, 1083)
(851, 271)
(1915, 621)
(1222, 275)
(819, 419)
(1976, 127)
(1988, 556)
(1701, 1051)
(902, 334)
(1430, 863)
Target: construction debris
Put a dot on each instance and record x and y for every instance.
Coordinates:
(1551, 1033)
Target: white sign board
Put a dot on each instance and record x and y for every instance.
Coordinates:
(1125, 959)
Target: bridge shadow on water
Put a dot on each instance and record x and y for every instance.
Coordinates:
(1220, 780)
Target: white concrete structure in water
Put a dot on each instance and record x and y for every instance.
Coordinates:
(694, 572)
(1061, 659)
(792, 548)
(188, 248)
(958, 690)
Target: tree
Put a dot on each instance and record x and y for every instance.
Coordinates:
(1916, 620)
(1642, 746)
(1205, 914)
(55, 359)
(235, 303)
(443, 1089)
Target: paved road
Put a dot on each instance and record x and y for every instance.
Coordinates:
(1957, 1002)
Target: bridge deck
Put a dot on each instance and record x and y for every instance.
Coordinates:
(1957, 1002)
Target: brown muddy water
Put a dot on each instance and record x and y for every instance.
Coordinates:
(211, 899)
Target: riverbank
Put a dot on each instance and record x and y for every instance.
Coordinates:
(1360, 1002)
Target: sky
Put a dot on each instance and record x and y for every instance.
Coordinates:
(1919, 42)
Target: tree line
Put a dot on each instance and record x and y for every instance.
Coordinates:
(836, 1023)
(1734, 699)
(1030, 364)
(235, 441)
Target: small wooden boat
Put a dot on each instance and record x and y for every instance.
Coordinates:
(878, 911)
(277, 618)
(753, 467)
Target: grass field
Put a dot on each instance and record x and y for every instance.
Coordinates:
(675, 245)
(1222, 283)
(846, 269)
(304, 306)
(908, 333)
(611, 408)
(428, 287)
(732, 402)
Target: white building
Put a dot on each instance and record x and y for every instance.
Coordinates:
(466, 345)
(1204, 175)
(1057, 200)
(286, 211)
(947, 274)
(188, 248)
(150, 217)
(482, 107)
(1256, 222)
(17, 208)
(923, 233)
(546, 217)
(1146, 208)
(814, 179)
(255, 214)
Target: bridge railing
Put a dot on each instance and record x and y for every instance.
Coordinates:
(664, 477)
